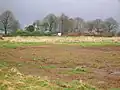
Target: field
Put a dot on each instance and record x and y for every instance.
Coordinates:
(60, 63)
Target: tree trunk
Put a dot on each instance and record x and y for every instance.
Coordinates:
(5, 31)
(50, 28)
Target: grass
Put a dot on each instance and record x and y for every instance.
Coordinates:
(7, 44)
(55, 39)
(3, 64)
(115, 89)
(89, 44)
(12, 79)
(47, 67)
(77, 70)
(39, 59)
(74, 85)
(12, 42)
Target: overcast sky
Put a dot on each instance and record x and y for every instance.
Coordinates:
(27, 11)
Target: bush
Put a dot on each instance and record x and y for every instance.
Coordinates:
(27, 33)
(107, 34)
(30, 28)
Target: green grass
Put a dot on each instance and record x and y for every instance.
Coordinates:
(47, 67)
(77, 70)
(88, 44)
(7, 44)
(115, 89)
(12, 79)
(3, 64)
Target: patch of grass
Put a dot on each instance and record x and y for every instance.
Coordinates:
(61, 40)
(3, 64)
(77, 70)
(42, 59)
(88, 44)
(7, 44)
(115, 89)
(3, 86)
(47, 67)
(12, 79)
(74, 85)
(80, 69)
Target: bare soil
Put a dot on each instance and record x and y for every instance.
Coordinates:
(102, 63)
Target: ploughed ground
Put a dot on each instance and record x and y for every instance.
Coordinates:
(101, 64)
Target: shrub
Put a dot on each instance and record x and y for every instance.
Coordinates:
(30, 28)
(107, 34)
(27, 33)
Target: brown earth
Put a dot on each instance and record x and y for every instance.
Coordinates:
(102, 63)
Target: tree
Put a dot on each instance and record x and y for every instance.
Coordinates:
(66, 23)
(61, 23)
(111, 24)
(99, 25)
(45, 26)
(15, 26)
(30, 28)
(70, 25)
(7, 19)
(89, 26)
(36, 24)
(50, 22)
(78, 24)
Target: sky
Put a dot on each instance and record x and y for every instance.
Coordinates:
(26, 11)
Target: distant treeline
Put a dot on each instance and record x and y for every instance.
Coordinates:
(51, 25)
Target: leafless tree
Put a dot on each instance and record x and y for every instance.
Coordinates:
(6, 19)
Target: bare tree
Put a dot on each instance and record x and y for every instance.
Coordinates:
(78, 24)
(66, 23)
(6, 19)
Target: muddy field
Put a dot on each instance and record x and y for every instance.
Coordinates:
(97, 66)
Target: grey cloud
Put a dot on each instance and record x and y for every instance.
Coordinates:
(29, 10)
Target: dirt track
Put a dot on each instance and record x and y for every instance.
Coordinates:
(102, 63)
